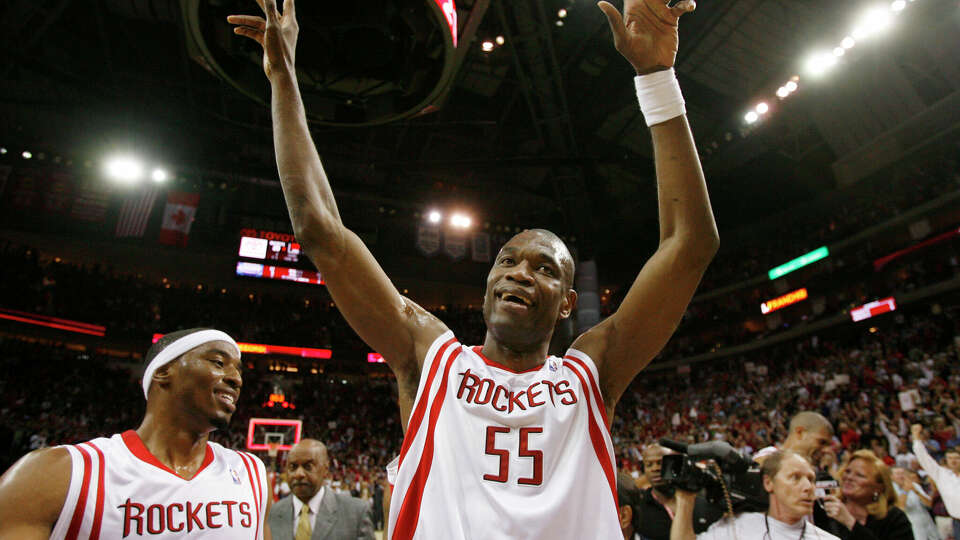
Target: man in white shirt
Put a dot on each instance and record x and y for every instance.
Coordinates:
(946, 478)
(789, 479)
(314, 512)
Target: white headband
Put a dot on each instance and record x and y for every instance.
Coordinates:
(181, 346)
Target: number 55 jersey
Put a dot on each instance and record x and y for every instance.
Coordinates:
(494, 454)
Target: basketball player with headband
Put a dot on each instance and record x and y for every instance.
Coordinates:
(162, 480)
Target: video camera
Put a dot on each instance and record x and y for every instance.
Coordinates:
(739, 478)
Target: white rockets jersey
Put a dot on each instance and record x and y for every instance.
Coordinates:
(118, 489)
(493, 454)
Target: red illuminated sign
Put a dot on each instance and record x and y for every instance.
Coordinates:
(260, 348)
(53, 322)
(449, 10)
(872, 309)
(297, 426)
(783, 301)
(266, 271)
(375, 358)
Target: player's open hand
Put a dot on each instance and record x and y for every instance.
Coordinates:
(277, 34)
(646, 33)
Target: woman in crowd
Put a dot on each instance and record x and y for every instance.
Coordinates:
(914, 501)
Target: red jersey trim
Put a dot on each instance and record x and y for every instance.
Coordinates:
(478, 349)
(139, 450)
(594, 387)
(409, 513)
(98, 515)
(254, 488)
(596, 437)
(421, 408)
(77, 519)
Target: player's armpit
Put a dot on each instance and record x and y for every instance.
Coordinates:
(389, 323)
(624, 343)
(32, 493)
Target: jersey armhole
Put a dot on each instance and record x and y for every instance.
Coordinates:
(73, 492)
(428, 362)
(587, 361)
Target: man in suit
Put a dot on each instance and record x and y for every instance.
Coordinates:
(313, 512)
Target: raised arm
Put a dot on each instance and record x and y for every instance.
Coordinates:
(392, 325)
(623, 344)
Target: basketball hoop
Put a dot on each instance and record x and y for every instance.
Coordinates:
(272, 448)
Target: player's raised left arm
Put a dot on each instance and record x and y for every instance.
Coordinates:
(622, 345)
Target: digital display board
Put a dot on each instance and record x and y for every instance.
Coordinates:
(269, 246)
(266, 271)
(262, 348)
(783, 301)
(799, 262)
(872, 309)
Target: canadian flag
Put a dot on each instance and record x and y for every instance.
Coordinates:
(178, 217)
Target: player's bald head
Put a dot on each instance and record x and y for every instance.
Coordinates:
(558, 246)
(812, 422)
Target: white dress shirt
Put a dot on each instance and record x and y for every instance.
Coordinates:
(948, 483)
(314, 505)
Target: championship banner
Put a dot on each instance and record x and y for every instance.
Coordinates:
(481, 247)
(455, 245)
(428, 239)
(178, 218)
(90, 202)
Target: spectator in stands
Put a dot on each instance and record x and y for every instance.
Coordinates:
(810, 435)
(866, 507)
(915, 502)
(628, 495)
(947, 479)
(789, 479)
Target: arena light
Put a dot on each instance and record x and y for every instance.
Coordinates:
(762, 107)
(434, 216)
(751, 117)
(848, 42)
(562, 13)
(782, 92)
(873, 21)
(819, 63)
(839, 51)
(159, 175)
(781, 302)
(124, 169)
(873, 309)
(3, 150)
(487, 46)
(460, 221)
(897, 5)
(52, 322)
(26, 154)
(791, 86)
(375, 358)
(799, 262)
(500, 40)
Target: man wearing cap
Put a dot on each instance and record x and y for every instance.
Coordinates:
(162, 480)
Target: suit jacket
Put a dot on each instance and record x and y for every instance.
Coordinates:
(341, 517)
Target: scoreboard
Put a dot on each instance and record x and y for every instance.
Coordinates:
(274, 255)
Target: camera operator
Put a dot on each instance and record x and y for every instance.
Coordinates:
(657, 505)
(788, 479)
(810, 434)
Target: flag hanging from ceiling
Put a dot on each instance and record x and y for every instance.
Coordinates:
(135, 213)
(178, 218)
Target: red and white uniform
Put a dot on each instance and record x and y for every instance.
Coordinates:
(118, 489)
(494, 454)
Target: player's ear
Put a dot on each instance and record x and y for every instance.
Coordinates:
(626, 516)
(568, 303)
(163, 375)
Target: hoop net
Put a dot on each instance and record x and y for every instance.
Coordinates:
(272, 448)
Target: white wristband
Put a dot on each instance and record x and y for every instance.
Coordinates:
(659, 96)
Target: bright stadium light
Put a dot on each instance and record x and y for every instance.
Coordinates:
(791, 86)
(159, 175)
(820, 63)
(500, 40)
(838, 51)
(3, 150)
(782, 92)
(873, 21)
(26, 154)
(434, 216)
(487, 46)
(762, 107)
(562, 13)
(751, 117)
(897, 5)
(124, 169)
(460, 221)
(848, 42)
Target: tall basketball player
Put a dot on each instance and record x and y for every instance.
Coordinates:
(163, 480)
(502, 441)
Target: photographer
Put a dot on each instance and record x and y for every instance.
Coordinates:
(789, 479)
(657, 505)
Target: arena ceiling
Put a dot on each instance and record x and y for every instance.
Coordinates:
(541, 131)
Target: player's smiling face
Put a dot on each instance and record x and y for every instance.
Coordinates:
(528, 289)
(208, 383)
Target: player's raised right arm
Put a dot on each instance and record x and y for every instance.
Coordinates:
(391, 324)
(32, 493)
